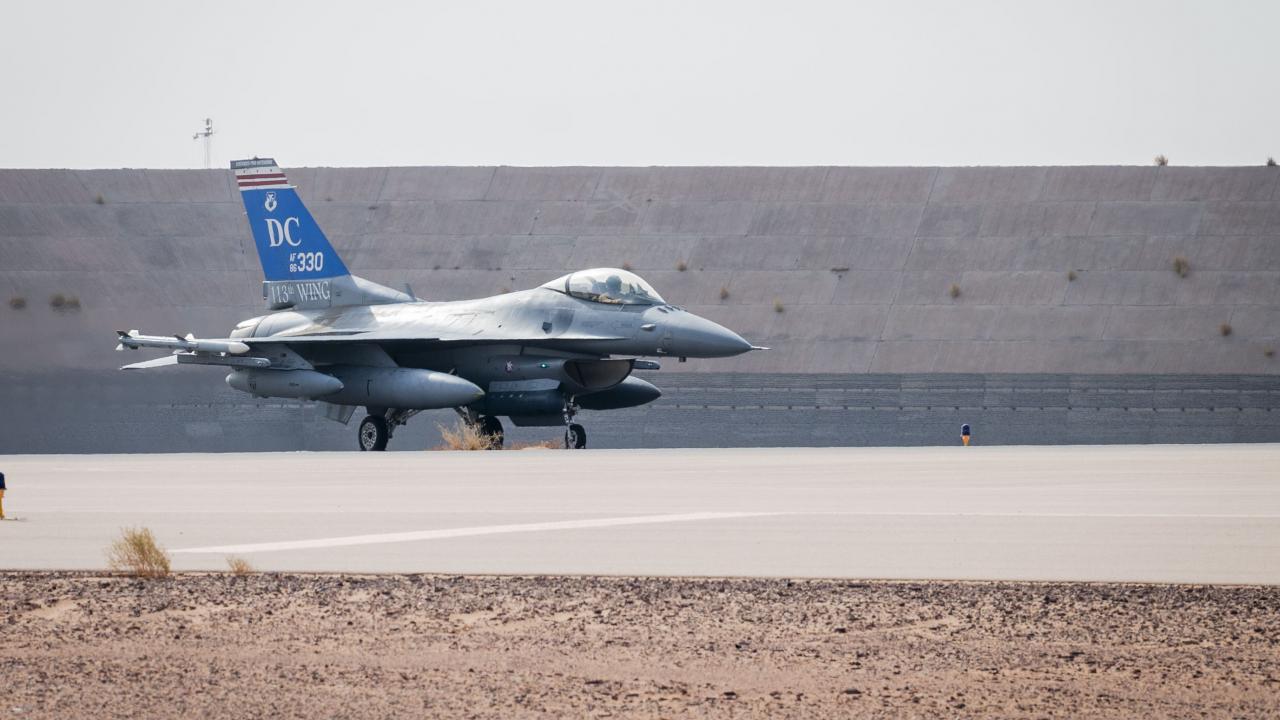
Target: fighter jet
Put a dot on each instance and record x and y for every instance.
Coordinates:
(534, 356)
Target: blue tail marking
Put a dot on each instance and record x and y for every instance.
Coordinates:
(291, 246)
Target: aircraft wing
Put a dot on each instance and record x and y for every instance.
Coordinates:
(239, 352)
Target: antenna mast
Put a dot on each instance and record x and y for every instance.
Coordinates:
(207, 134)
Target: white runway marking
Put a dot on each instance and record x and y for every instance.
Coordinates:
(468, 532)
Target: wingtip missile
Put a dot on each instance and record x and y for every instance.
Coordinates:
(190, 343)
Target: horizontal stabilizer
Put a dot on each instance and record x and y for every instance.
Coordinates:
(158, 362)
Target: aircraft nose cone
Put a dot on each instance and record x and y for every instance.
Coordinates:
(694, 336)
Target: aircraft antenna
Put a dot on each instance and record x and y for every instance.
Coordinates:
(207, 134)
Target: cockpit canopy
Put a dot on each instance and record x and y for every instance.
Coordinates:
(612, 286)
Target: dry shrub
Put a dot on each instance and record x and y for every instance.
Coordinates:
(465, 436)
(137, 553)
(1225, 329)
(682, 266)
(1269, 352)
(18, 302)
(777, 306)
(954, 291)
(58, 301)
(99, 199)
(1182, 266)
(1271, 162)
(1071, 276)
(724, 292)
(239, 566)
(1161, 160)
(626, 266)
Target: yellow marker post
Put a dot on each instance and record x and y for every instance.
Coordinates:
(1, 504)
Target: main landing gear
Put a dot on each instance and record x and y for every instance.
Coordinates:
(377, 427)
(373, 433)
(575, 436)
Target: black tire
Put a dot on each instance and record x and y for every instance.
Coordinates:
(373, 433)
(492, 426)
(575, 436)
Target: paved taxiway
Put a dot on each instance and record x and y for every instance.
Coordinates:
(1185, 513)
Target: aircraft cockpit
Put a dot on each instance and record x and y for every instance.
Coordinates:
(611, 286)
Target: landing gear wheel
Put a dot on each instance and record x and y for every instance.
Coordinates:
(492, 427)
(575, 436)
(373, 433)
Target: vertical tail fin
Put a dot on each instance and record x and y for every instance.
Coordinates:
(300, 267)
(291, 246)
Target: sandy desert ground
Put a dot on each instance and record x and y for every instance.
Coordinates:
(288, 645)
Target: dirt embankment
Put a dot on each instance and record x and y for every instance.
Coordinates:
(77, 645)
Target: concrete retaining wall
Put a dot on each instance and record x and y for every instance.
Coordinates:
(847, 272)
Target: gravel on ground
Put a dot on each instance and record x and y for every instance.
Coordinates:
(79, 645)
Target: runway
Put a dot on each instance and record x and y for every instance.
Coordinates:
(1159, 513)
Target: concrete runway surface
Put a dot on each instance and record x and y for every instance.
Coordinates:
(1158, 513)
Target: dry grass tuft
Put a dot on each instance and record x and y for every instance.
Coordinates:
(1182, 266)
(17, 302)
(1225, 329)
(724, 292)
(63, 303)
(1161, 160)
(99, 199)
(465, 436)
(682, 266)
(137, 553)
(239, 566)
(777, 306)
(1071, 276)
(954, 291)
(1269, 352)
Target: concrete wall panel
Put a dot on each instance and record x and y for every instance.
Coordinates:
(1178, 324)
(1240, 218)
(1243, 183)
(1100, 183)
(939, 322)
(1107, 288)
(686, 218)
(873, 185)
(1049, 323)
(436, 183)
(1036, 219)
(587, 218)
(42, 187)
(692, 184)
(988, 184)
(843, 220)
(951, 220)
(1132, 218)
(559, 183)
(342, 185)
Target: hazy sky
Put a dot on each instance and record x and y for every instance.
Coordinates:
(126, 84)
